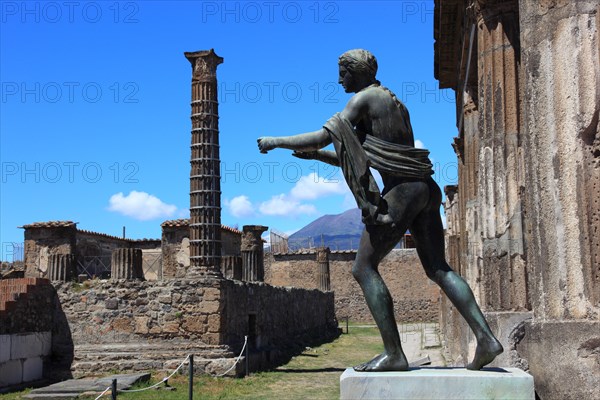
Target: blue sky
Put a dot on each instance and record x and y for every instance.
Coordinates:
(94, 117)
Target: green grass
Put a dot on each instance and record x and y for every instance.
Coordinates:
(314, 374)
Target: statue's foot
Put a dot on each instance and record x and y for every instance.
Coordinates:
(485, 353)
(384, 362)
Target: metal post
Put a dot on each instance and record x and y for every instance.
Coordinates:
(191, 384)
(247, 357)
(113, 389)
(347, 331)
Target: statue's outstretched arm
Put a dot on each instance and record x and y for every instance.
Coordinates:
(326, 156)
(304, 142)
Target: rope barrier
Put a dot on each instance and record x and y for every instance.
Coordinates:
(158, 383)
(177, 369)
(238, 358)
(103, 393)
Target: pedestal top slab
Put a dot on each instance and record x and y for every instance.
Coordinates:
(438, 383)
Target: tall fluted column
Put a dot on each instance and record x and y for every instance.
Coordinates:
(61, 267)
(126, 263)
(561, 54)
(323, 265)
(253, 267)
(205, 173)
(501, 169)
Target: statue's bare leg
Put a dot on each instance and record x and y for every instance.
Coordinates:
(428, 233)
(377, 241)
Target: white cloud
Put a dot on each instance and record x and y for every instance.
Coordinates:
(419, 144)
(140, 205)
(282, 205)
(313, 186)
(240, 206)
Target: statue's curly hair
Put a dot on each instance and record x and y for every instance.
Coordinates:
(359, 61)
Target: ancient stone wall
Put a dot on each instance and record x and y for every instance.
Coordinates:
(416, 298)
(43, 240)
(279, 321)
(524, 219)
(210, 311)
(92, 250)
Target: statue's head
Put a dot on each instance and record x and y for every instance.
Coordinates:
(359, 62)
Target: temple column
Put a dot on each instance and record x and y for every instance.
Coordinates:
(253, 267)
(61, 267)
(501, 170)
(205, 173)
(323, 265)
(126, 263)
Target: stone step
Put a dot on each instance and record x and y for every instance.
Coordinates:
(149, 351)
(211, 366)
(145, 355)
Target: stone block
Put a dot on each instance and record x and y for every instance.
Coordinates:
(33, 369)
(564, 358)
(11, 373)
(30, 345)
(209, 307)
(438, 383)
(171, 327)
(141, 324)
(4, 348)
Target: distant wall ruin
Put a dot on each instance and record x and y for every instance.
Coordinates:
(416, 298)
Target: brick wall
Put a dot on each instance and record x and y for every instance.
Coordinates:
(33, 339)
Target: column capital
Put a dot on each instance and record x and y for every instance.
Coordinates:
(204, 64)
(251, 237)
(323, 254)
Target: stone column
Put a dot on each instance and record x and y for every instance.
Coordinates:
(126, 264)
(253, 267)
(323, 265)
(231, 267)
(561, 55)
(61, 267)
(205, 173)
(501, 170)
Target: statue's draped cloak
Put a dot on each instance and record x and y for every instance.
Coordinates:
(389, 158)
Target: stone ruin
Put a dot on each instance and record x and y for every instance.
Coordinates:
(524, 219)
(199, 289)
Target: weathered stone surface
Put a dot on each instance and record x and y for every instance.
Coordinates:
(72, 388)
(61, 267)
(33, 369)
(205, 186)
(11, 373)
(564, 358)
(30, 345)
(5, 348)
(425, 384)
(521, 224)
(126, 263)
(141, 325)
(415, 297)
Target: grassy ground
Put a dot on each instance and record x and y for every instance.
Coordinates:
(314, 374)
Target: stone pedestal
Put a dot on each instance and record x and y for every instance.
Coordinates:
(127, 264)
(438, 383)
